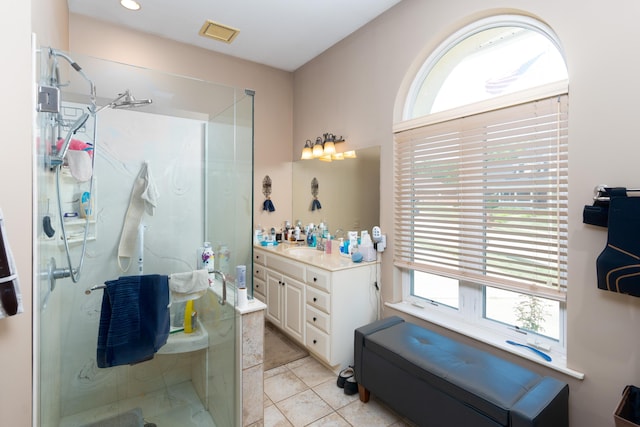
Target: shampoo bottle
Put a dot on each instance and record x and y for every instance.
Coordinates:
(190, 318)
(207, 258)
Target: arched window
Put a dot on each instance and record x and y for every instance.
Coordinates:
(481, 167)
(494, 57)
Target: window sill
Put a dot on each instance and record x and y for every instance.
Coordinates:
(559, 362)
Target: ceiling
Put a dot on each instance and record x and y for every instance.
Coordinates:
(284, 34)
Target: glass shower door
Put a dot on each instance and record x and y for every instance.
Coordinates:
(196, 141)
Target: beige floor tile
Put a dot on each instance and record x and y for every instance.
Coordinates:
(331, 420)
(333, 395)
(282, 386)
(274, 418)
(304, 408)
(312, 372)
(299, 362)
(267, 401)
(275, 371)
(370, 414)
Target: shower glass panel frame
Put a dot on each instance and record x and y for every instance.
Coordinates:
(197, 140)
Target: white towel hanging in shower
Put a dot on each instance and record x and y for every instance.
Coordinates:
(144, 197)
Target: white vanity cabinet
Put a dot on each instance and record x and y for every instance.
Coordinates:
(337, 303)
(259, 276)
(285, 304)
(318, 300)
(284, 293)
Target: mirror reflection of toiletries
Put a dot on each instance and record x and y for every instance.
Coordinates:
(349, 191)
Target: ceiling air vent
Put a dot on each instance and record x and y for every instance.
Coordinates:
(218, 32)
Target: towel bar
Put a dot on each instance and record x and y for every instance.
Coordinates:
(600, 190)
(94, 288)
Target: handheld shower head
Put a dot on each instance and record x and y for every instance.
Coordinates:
(67, 140)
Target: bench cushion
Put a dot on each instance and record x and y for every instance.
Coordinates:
(485, 382)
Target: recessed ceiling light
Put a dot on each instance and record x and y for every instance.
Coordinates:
(218, 32)
(130, 4)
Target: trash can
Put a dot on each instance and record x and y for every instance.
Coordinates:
(628, 412)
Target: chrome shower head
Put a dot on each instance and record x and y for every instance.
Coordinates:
(126, 100)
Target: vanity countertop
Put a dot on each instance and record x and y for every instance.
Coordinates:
(314, 257)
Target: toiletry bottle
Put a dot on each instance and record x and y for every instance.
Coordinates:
(208, 258)
(224, 256)
(189, 317)
(327, 245)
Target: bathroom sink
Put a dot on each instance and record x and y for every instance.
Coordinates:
(303, 252)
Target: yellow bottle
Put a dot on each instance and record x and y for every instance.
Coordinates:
(189, 327)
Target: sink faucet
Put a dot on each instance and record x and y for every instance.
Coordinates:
(224, 287)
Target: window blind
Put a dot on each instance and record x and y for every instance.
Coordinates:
(483, 198)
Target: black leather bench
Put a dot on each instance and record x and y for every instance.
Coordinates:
(437, 381)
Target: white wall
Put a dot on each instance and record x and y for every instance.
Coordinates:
(599, 41)
(16, 202)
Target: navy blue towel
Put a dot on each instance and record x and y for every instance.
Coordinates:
(134, 322)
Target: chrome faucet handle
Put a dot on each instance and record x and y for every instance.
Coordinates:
(222, 301)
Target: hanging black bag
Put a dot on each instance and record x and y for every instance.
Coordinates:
(618, 266)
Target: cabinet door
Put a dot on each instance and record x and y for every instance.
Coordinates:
(294, 308)
(274, 298)
(259, 289)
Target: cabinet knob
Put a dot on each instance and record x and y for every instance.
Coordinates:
(315, 342)
(315, 299)
(315, 279)
(314, 319)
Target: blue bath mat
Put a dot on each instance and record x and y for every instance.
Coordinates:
(132, 418)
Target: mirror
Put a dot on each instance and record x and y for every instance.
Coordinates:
(348, 191)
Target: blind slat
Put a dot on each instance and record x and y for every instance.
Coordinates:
(483, 198)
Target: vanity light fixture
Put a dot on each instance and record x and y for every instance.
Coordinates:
(130, 4)
(318, 148)
(323, 149)
(307, 153)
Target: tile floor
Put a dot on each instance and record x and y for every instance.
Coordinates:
(304, 393)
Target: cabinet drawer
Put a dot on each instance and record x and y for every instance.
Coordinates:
(292, 269)
(318, 299)
(259, 272)
(317, 342)
(319, 279)
(318, 319)
(259, 289)
(259, 257)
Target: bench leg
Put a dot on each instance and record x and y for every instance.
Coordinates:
(363, 393)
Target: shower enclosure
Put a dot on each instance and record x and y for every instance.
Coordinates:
(190, 146)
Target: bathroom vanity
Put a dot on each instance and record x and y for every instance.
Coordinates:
(317, 299)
